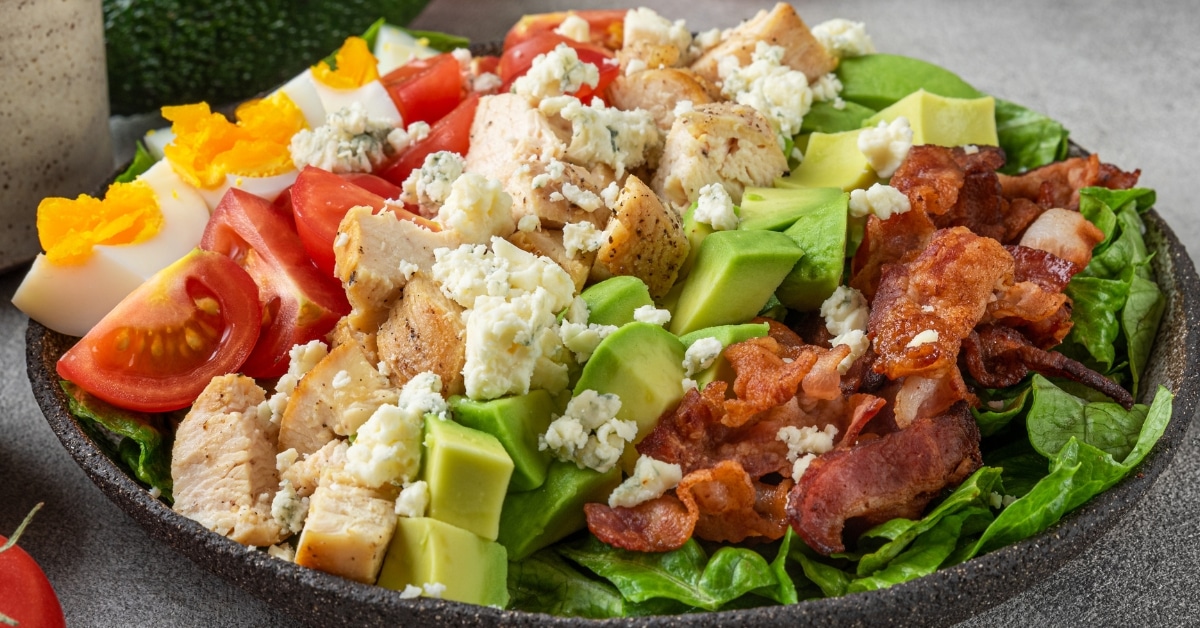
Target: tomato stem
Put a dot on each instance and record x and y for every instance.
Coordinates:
(12, 540)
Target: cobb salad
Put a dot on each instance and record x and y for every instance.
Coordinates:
(753, 307)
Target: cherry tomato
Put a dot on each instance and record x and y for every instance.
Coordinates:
(27, 597)
(428, 93)
(486, 63)
(607, 26)
(516, 61)
(300, 303)
(320, 199)
(452, 133)
(157, 350)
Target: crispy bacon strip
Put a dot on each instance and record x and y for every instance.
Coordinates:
(768, 374)
(896, 475)
(890, 241)
(999, 356)
(1051, 272)
(1058, 184)
(717, 504)
(657, 525)
(956, 188)
(946, 291)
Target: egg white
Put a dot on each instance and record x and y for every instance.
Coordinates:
(71, 299)
(373, 97)
(394, 48)
(267, 187)
(303, 91)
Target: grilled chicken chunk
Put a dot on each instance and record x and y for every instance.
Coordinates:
(371, 260)
(223, 463)
(506, 133)
(425, 332)
(722, 143)
(778, 27)
(337, 396)
(548, 201)
(347, 529)
(645, 239)
(658, 90)
(549, 243)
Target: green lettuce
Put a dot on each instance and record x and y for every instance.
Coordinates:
(140, 440)
(1079, 470)
(1029, 139)
(686, 575)
(142, 161)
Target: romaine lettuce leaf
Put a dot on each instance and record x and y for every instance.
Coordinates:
(685, 575)
(1056, 417)
(1078, 472)
(1029, 139)
(142, 160)
(141, 440)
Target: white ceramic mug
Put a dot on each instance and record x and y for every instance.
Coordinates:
(54, 133)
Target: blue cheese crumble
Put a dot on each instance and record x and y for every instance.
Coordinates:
(588, 433)
(885, 146)
(714, 207)
(843, 38)
(846, 314)
(779, 93)
(880, 200)
(651, 478)
(556, 73)
(349, 141)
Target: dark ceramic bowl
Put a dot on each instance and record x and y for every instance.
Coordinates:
(942, 598)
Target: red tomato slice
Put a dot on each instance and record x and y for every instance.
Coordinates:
(607, 26)
(320, 199)
(300, 303)
(517, 60)
(429, 93)
(373, 184)
(452, 133)
(158, 349)
(28, 598)
(486, 63)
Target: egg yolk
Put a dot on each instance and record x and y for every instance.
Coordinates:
(356, 66)
(68, 229)
(207, 146)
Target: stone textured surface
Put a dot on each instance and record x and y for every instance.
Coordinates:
(1123, 77)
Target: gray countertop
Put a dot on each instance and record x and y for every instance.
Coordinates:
(1123, 77)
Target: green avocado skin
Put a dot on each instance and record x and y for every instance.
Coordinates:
(172, 52)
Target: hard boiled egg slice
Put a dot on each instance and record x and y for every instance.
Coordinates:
(373, 97)
(394, 47)
(266, 187)
(71, 299)
(303, 91)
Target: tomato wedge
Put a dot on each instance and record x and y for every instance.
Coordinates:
(320, 199)
(158, 349)
(300, 303)
(428, 91)
(452, 133)
(516, 61)
(373, 184)
(607, 26)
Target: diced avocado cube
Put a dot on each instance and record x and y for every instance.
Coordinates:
(516, 422)
(944, 121)
(695, 232)
(821, 232)
(467, 471)
(643, 365)
(612, 301)
(878, 80)
(831, 160)
(537, 518)
(735, 273)
(427, 551)
(775, 209)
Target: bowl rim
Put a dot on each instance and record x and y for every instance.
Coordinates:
(946, 596)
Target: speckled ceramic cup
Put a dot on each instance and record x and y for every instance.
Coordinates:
(54, 138)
